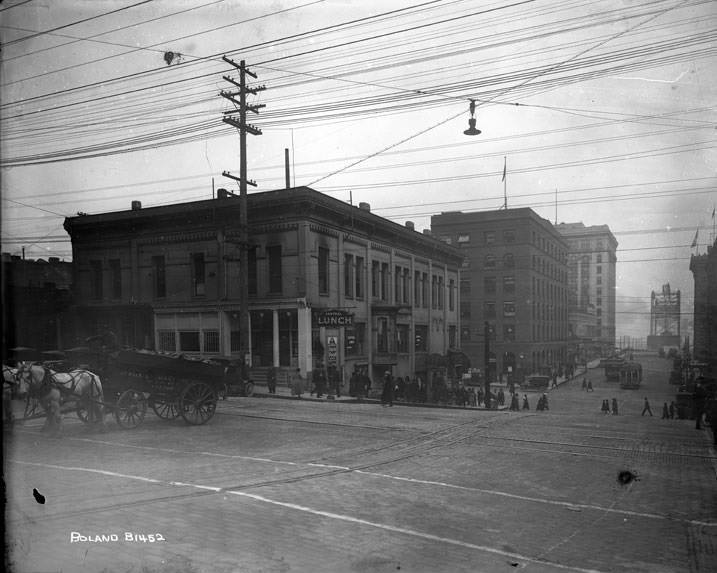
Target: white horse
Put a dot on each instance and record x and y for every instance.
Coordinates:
(80, 388)
(9, 382)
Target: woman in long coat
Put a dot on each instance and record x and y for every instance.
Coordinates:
(297, 384)
(387, 393)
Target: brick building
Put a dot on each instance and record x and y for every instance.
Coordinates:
(592, 276)
(514, 278)
(328, 282)
(704, 271)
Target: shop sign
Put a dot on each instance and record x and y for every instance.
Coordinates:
(333, 318)
(332, 350)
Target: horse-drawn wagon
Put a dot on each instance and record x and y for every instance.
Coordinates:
(127, 383)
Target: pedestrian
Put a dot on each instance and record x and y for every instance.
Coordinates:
(514, 402)
(545, 402)
(297, 384)
(526, 406)
(501, 397)
(590, 386)
(646, 407)
(585, 385)
(614, 406)
(472, 398)
(605, 408)
(665, 412)
(700, 400)
(388, 390)
(271, 379)
(672, 410)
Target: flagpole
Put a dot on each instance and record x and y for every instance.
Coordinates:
(505, 182)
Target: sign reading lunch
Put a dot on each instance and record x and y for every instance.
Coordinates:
(332, 318)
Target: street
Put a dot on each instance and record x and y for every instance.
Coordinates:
(298, 485)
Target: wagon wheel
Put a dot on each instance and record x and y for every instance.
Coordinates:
(249, 389)
(165, 409)
(130, 409)
(197, 403)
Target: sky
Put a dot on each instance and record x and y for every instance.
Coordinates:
(601, 112)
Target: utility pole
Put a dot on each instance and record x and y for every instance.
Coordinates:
(244, 128)
(486, 354)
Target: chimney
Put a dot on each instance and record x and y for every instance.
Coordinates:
(222, 193)
(286, 168)
(365, 206)
(54, 259)
(136, 205)
(410, 225)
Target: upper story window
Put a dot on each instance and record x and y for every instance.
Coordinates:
(509, 284)
(489, 285)
(96, 278)
(451, 294)
(424, 290)
(509, 235)
(274, 256)
(375, 278)
(160, 276)
(385, 278)
(599, 258)
(397, 286)
(323, 270)
(359, 274)
(406, 286)
(489, 237)
(116, 276)
(348, 275)
(252, 279)
(508, 261)
(416, 288)
(198, 275)
(509, 308)
(489, 262)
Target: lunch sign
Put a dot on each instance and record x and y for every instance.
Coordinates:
(333, 318)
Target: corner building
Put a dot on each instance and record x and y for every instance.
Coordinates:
(329, 284)
(514, 278)
(704, 272)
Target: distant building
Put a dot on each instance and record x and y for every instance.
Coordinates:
(591, 280)
(328, 283)
(664, 319)
(704, 271)
(514, 280)
(36, 295)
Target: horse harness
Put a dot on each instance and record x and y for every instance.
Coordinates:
(49, 382)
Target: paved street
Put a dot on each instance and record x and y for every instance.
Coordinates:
(287, 485)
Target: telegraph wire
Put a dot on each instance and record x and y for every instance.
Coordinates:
(15, 5)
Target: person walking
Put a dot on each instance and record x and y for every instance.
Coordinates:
(665, 412)
(271, 379)
(672, 410)
(605, 408)
(388, 390)
(590, 386)
(585, 385)
(614, 406)
(526, 406)
(297, 384)
(514, 402)
(646, 407)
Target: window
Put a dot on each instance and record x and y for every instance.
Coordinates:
(421, 338)
(407, 286)
(375, 279)
(509, 332)
(211, 341)
(189, 341)
(465, 288)
(599, 301)
(489, 262)
(465, 334)
(489, 237)
(509, 235)
(441, 293)
(598, 280)
(160, 276)
(451, 336)
(451, 295)
(274, 255)
(235, 341)
(116, 276)
(198, 274)
(598, 270)
(348, 275)
(599, 312)
(402, 338)
(463, 239)
(509, 284)
(599, 291)
(382, 334)
(397, 286)
(509, 308)
(599, 258)
(424, 290)
(96, 278)
(434, 291)
(167, 341)
(354, 339)
(417, 288)
(323, 270)
(465, 310)
(252, 279)
(488, 309)
(508, 261)
(359, 277)
(385, 277)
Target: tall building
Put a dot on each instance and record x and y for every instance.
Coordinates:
(514, 285)
(665, 314)
(591, 279)
(704, 271)
(328, 284)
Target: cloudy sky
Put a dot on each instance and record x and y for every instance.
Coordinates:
(609, 102)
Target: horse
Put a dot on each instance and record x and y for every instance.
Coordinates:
(53, 389)
(10, 383)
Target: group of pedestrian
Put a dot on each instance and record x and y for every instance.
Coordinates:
(587, 385)
(514, 402)
(668, 412)
(606, 408)
(542, 403)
